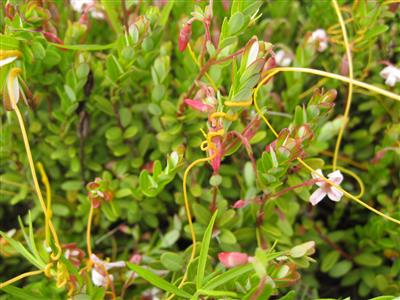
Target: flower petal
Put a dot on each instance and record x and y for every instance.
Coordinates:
(317, 196)
(334, 194)
(336, 177)
(115, 264)
(316, 176)
(198, 105)
(98, 279)
(7, 60)
(390, 80)
(253, 53)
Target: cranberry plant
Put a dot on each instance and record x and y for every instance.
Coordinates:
(199, 149)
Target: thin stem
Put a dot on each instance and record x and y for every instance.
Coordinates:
(332, 244)
(88, 232)
(19, 277)
(351, 76)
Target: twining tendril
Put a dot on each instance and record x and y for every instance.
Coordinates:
(350, 92)
(46, 183)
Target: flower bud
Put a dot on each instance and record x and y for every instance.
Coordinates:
(240, 203)
(233, 259)
(184, 36)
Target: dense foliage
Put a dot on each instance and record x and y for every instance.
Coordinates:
(177, 145)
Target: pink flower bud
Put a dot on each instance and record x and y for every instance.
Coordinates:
(198, 105)
(135, 259)
(239, 204)
(184, 36)
(124, 228)
(233, 259)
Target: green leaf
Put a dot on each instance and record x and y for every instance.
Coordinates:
(23, 251)
(112, 8)
(72, 185)
(170, 238)
(166, 12)
(8, 42)
(172, 261)
(205, 245)
(301, 250)
(368, 260)
(114, 133)
(70, 93)
(158, 281)
(329, 260)
(340, 269)
(21, 293)
(236, 23)
(227, 276)
(83, 47)
(217, 294)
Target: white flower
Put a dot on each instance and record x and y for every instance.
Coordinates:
(391, 74)
(282, 58)
(325, 188)
(253, 53)
(79, 5)
(7, 60)
(99, 276)
(319, 37)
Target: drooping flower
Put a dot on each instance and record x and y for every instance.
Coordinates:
(74, 254)
(11, 91)
(320, 38)
(99, 271)
(391, 74)
(282, 58)
(198, 105)
(233, 259)
(98, 192)
(325, 189)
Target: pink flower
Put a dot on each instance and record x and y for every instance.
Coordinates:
(325, 189)
(391, 74)
(74, 254)
(198, 105)
(135, 259)
(240, 203)
(233, 259)
(184, 36)
(283, 58)
(320, 38)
